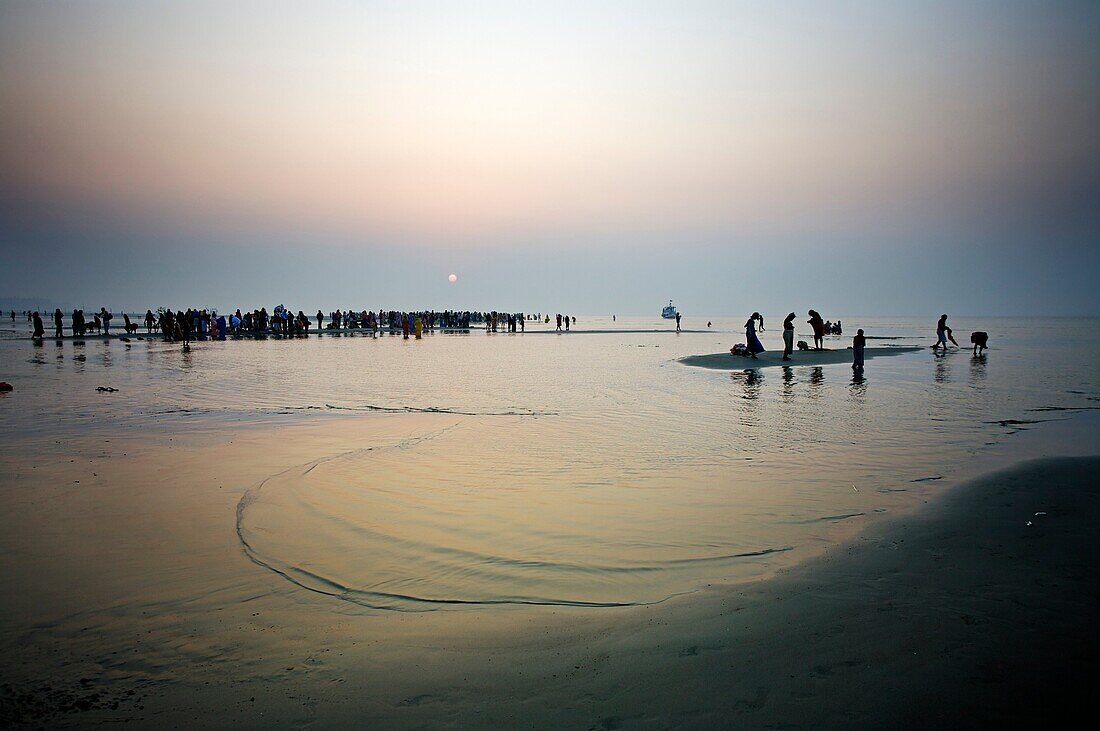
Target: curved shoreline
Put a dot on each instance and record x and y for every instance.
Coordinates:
(968, 607)
(728, 362)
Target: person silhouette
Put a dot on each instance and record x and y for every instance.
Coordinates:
(751, 341)
(980, 340)
(818, 325)
(943, 334)
(858, 345)
(788, 336)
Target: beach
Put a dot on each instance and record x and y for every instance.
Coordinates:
(907, 621)
(487, 531)
(382, 365)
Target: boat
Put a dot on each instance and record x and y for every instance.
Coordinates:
(669, 312)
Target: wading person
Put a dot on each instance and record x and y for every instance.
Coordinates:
(943, 334)
(858, 344)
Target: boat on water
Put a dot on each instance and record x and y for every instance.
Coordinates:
(669, 312)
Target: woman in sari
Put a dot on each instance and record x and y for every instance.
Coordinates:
(752, 342)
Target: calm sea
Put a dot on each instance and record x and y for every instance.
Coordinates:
(588, 468)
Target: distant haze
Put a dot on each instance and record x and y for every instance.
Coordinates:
(865, 157)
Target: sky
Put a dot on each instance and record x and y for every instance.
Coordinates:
(593, 157)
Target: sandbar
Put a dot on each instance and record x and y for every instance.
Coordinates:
(727, 362)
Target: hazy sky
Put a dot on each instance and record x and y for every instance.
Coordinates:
(878, 157)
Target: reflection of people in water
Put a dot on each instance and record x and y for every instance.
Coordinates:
(943, 371)
(788, 382)
(816, 382)
(858, 344)
(754, 380)
(788, 336)
(859, 383)
(977, 370)
(751, 341)
(943, 334)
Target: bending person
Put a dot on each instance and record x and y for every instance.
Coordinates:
(751, 341)
(943, 334)
(818, 325)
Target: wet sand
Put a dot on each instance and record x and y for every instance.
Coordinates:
(128, 597)
(728, 362)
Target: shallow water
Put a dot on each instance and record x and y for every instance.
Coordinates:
(583, 469)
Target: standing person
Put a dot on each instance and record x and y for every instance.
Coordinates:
(558, 321)
(943, 334)
(819, 329)
(105, 318)
(39, 331)
(405, 326)
(58, 321)
(149, 321)
(788, 336)
(751, 341)
(320, 320)
(858, 344)
(567, 323)
(677, 322)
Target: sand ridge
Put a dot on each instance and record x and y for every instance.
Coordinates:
(728, 362)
